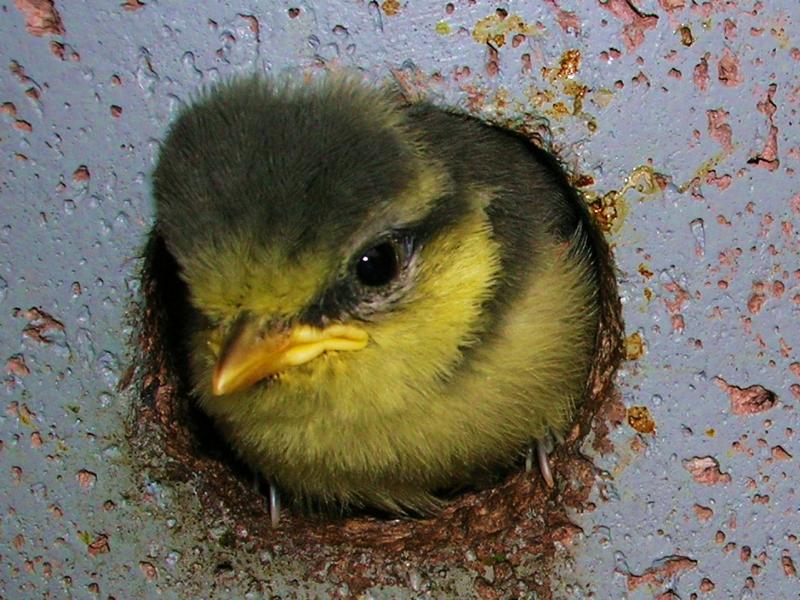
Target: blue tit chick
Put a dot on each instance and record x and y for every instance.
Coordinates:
(388, 300)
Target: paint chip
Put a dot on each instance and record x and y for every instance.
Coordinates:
(41, 17)
(705, 470)
(661, 571)
(750, 400)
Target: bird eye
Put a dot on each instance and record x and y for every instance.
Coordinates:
(378, 265)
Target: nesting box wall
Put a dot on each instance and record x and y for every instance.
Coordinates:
(677, 120)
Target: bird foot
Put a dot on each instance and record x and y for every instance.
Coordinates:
(274, 500)
(542, 447)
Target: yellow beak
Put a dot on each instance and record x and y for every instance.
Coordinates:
(250, 355)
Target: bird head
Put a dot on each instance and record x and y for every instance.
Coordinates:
(327, 252)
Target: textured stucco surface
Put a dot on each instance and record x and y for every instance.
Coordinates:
(681, 115)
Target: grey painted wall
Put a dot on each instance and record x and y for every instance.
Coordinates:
(686, 123)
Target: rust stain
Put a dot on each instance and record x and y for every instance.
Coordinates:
(641, 420)
(634, 346)
(645, 271)
(495, 28)
(609, 210)
(569, 65)
(391, 7)
(779, 453)
(687, 39)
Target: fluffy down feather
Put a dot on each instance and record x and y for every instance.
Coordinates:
(266, 194)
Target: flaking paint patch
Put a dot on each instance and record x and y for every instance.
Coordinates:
(751, 400)
(41, 17)
(635, 22)
(496, 29)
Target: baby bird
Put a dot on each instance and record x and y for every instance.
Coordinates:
(389, 300)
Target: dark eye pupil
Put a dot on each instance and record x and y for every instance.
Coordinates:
(378, 265)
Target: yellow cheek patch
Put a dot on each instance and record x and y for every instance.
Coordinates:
(422, 340)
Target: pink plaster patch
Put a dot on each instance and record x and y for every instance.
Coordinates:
(795, 368)
(788, 565)
(779, 453)
(756, 303)
(719, 129)
(700, 75)
(768, 157)
(750, 400)
(723, 181)
(661, 571)
(705, 470)
(730, 29)
(16, 365)
(568, 20)
(41, 17)
(132, 5)
(672, 5)
(676, 305)
(703, 513)
(728, 69)
(99, 546)
(794, 204)
(86, 478)
(636, 22)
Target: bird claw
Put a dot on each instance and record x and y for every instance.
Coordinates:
(544, 464)
(274, 505)
(274, 500)
(542, 459)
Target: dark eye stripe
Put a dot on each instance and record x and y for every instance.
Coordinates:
(347, 294)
